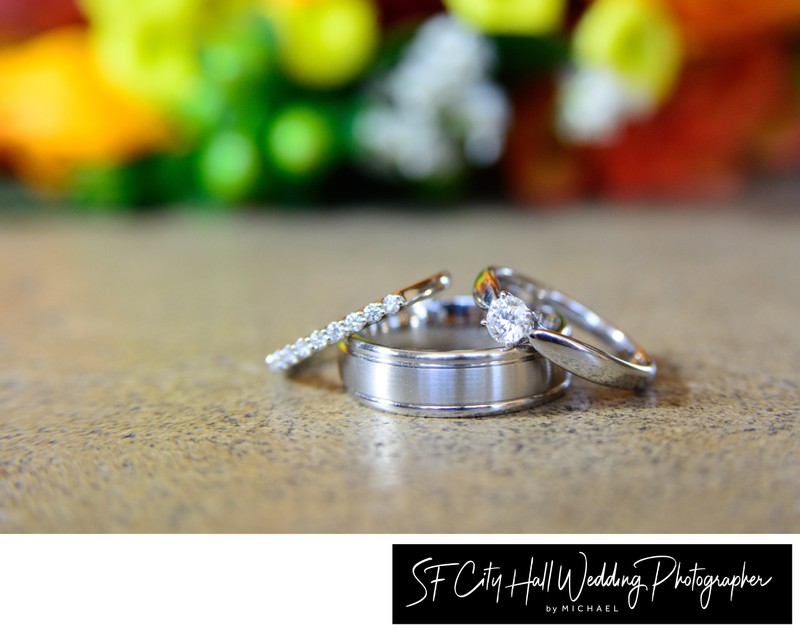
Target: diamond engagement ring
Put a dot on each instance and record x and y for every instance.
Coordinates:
(292, 354)
(515, 322)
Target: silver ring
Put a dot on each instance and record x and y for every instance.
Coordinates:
(513, 321)
(434, 360)
(292, 354)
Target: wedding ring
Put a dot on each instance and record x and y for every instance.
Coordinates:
(434, 360)
(513, 301)
(334, 332)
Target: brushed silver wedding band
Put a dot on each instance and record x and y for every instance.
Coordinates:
(627, 366)
(433, 359)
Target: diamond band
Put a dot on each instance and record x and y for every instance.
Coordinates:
(356, 321)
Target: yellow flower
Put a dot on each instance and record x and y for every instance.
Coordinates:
(151, 46)
(636, 39)
(510, 17)
(324, 43)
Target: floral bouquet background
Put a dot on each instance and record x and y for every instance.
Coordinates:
(231, 103)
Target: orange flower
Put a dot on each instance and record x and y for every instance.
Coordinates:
(700, 142)
(537, 167)
(22, 18)
(57, 110)
(709, 25)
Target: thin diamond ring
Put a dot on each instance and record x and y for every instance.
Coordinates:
(292, 354)
(513, 321)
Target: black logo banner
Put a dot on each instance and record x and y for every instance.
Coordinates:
(593, 583)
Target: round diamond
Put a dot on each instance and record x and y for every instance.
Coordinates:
(289, 356)
(374, 312)
(273, 361)
(509, 320)
(336, 331)
(302, 347)
(285, 359)
(355, 321)
(318, 340)
(393, 303)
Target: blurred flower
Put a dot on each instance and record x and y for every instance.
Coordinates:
(726, 116)
(22, 18)
(151, 46)
(437, 110)
(270, 99)
(230, 167)
(510, 17)
(58, 110)
(238, 65)
(627, 55)
(324, 43)
(538, 168)
(300, 143)
(711, 28)
(594, 104)
(699, 142)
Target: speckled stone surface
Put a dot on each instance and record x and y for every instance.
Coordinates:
(133, 395)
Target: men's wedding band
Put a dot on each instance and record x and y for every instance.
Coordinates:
(434, 360)
(292, 354)
(513, 303)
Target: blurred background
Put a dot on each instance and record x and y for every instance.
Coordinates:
(226, 104)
